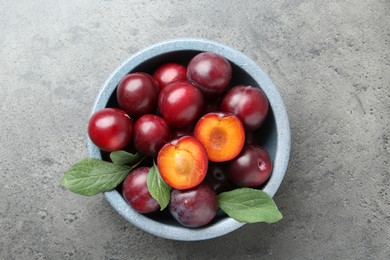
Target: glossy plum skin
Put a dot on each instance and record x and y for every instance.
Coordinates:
(180, 104)
(151, 132)
(137, 94)
(170, 72)
(110, 129)
(247, 103)
(251, 168)
(194, 207)
(210, 72)
(136, 193)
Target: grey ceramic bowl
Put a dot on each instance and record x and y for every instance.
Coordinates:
(274, 135)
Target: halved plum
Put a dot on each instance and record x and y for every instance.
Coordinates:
(222, 135)
(183, 163)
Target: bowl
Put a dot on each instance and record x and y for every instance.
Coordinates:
(275, 132)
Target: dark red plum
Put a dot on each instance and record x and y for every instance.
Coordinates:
(180, 104)
(110, 129)
(151, 132)
(170, 72)
(247, 103)
(136, 193)
(251, 168)
(210, 72)
(194, 207)
(137, 94)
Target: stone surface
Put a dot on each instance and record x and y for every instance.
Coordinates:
(329, 59)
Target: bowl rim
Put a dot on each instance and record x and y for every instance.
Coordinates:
(283, 145)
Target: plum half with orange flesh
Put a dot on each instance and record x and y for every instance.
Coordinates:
(183, 163)
(222, 135)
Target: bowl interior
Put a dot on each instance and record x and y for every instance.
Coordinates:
(266, 135)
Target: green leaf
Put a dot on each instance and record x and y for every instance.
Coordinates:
(249, 205)
(125, 158)
(91, 176)
(157, 187)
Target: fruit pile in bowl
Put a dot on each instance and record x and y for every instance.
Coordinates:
(188, 139)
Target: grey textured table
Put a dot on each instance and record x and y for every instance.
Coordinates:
(329, 59)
